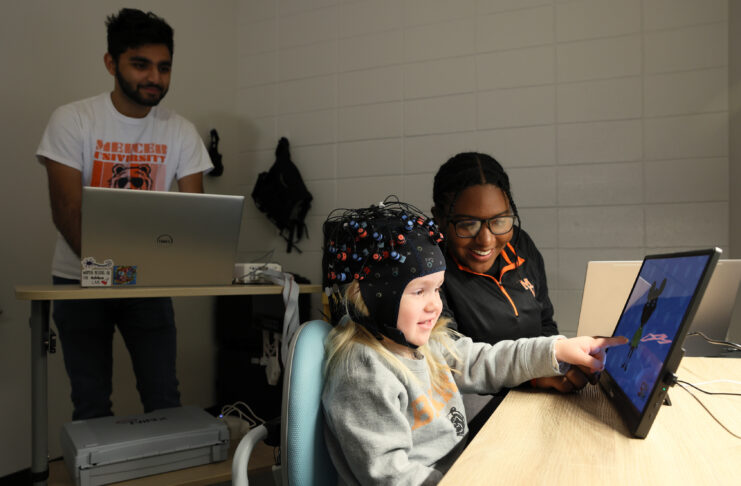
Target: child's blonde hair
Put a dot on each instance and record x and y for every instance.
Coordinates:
(347, 334)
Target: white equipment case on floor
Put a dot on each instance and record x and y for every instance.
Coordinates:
(110, 449)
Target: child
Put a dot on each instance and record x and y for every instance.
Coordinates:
(395, 373)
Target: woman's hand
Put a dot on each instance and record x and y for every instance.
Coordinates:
(575, 379)
(586, 351)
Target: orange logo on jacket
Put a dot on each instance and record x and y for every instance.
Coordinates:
(528, 286)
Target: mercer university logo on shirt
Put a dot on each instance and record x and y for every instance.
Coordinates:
(129, 165)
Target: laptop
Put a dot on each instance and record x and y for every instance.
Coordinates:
(656, 316)
(608, 283)
(157, 238)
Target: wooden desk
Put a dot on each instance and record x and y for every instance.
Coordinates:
(41, 296)
(537, 437)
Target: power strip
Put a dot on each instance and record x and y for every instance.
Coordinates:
(249, 273)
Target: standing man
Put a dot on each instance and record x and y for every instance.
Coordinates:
(121, 139)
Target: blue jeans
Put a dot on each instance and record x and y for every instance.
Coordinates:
(86, 328)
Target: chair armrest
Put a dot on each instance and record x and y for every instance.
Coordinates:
(242, 454)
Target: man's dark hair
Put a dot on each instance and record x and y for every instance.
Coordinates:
(463, 171)
(131, 28)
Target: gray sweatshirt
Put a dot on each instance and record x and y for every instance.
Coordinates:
(383, 428)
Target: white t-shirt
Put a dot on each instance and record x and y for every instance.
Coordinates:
(113, 150)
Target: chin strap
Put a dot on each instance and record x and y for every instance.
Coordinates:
(398, 337)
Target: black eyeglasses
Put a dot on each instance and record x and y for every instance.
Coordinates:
(470, 228)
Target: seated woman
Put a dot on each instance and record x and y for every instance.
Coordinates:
(495, 283)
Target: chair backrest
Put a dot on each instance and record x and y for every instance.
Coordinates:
(304, 456)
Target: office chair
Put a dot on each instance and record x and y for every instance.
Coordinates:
(304, 457)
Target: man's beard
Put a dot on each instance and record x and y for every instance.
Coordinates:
(133, 94)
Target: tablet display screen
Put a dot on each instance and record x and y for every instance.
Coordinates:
(651, 320)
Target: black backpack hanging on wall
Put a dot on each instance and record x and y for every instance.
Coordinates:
(281, 194)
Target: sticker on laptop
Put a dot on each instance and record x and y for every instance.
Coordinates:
(124, 275)
(96, 274)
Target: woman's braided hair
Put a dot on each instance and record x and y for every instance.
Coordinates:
(463, 171)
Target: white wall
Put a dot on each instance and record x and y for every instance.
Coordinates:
(52, 53)
(611, 117)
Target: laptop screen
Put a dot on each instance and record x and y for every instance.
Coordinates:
(158, 238)
(655, 320)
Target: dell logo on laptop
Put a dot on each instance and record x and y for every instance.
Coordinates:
(164, 241)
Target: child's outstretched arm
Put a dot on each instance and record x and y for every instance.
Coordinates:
(486, 368)
(586, 351)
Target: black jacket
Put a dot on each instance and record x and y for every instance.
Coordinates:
(510, 301)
